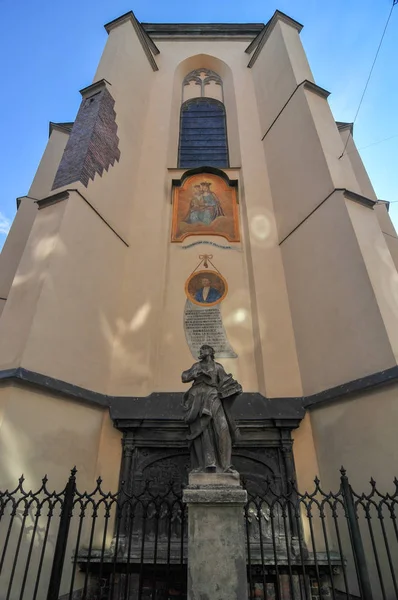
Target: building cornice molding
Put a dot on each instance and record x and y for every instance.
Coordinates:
(352, 388)
(140, 408)
(367, 202)
(63, 127)
(385, 203)
(197, 170)
(344, 126)
(53, 199)
(146, 42)
(359, 198)
(307, 85)
(278, 16)
(208, 31)
(313, 87)
(254, 43)
(94, 88)
(22, 198)
(64, 195)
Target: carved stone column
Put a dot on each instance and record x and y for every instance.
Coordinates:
(216, 540)
(125, 481)
(297, 545)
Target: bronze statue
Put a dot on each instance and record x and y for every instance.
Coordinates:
(207, 407)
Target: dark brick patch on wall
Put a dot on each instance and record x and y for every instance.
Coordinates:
(93, 144)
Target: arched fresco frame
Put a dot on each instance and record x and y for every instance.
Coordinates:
(213, 213)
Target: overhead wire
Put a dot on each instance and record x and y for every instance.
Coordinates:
(370, 73)
(373, 143)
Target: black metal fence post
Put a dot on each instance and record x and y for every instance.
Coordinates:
(62, 538)
(356, 539)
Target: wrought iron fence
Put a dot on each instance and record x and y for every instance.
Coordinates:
(96, 546)
(322, 545)
(132, 545)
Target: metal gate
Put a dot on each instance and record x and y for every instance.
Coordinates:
(97, 546)
(132, 545)
(322, 545)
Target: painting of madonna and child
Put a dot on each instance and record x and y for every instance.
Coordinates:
(205, 205)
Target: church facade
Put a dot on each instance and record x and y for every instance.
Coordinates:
(201, 195)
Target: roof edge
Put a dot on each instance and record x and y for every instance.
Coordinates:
(342, 126)
(209, 31)
(277, 16)
(64, 127)
(148, 45)
(385, 203)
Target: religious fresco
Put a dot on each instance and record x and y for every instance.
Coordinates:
(206, 288)
(205, 205)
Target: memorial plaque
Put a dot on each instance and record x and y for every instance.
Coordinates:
(203, 325)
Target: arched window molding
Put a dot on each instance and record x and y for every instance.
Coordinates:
(203, 63)
(203, 83)
(203, 134)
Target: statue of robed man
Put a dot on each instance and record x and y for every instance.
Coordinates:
(207, 405)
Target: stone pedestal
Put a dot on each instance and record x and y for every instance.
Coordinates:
(216, 540)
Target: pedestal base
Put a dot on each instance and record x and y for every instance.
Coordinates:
(216, 541)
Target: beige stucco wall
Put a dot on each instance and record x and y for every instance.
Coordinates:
(14, 245)
(125, 66)
(359, 432)
(339, 331)
(380, 266)
(279, 68)
(388, 230)
(270, 339)
(330, 287)
(114, 311)
(353, 159)
(45, 434)
(44, 178)
(67, 288)
(42, 434)
(18, 314)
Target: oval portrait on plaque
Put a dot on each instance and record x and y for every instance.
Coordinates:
(206, 288)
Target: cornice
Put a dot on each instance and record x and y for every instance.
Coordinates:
(64, 127)
(385, 203)
(367, 202)
(94, 88)
(359, 198)
(254, 43)
(209, 31)
(64, 195)
(313, 87)
(53, 199)
(165, 405)
(343, 126)
(307, 85)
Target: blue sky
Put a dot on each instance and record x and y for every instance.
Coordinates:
(50, 50)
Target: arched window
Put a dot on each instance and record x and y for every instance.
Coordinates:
(203, 134)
